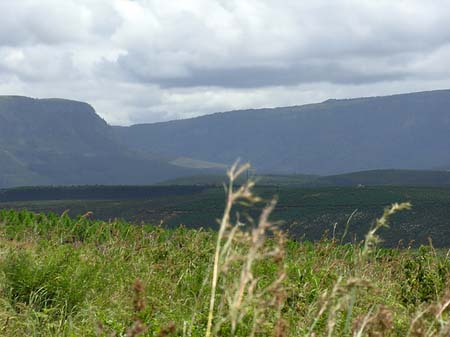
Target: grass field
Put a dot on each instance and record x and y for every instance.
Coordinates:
(80, 277)
(306, 213)
(312, 266)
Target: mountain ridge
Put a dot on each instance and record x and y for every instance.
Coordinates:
(403, 131)
(65, 142)
(306, 105)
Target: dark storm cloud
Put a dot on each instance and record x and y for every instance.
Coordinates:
(284, 44)
(263, 76)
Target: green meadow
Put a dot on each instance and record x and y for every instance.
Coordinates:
(77, 276)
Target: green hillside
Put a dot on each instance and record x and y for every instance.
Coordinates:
(386, 177)
(16, 173)
(362, 178)
(293, 180)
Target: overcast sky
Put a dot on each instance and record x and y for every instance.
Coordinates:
(148, 60)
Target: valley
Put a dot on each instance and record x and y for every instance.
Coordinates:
(306, 213)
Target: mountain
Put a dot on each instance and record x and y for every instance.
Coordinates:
(63, 142)
(408, 131)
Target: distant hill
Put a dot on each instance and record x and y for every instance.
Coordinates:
(415, 178)
(261, 180)
(63, 142)
(385, 178)
(409, 131)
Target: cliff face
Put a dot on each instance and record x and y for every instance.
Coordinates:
(53, 125)
(55, 141)
(409, 131)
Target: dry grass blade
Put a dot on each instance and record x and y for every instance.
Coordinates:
(237, 251)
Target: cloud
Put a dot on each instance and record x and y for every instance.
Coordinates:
(54, 22)
(260, 76)
(151, 60)
(256, 44)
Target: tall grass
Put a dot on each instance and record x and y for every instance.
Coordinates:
(248, 298)
(80, 277)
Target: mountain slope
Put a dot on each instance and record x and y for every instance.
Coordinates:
(63, 142)
(409, 131)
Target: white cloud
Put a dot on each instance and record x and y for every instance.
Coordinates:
(151, 60)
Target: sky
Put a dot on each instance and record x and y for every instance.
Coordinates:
(139, 61)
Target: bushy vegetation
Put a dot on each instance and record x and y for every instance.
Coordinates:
(95, 192)
(306, 213)
(80, 277)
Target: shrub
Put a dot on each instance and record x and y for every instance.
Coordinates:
(425, 276)
(58, 279)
